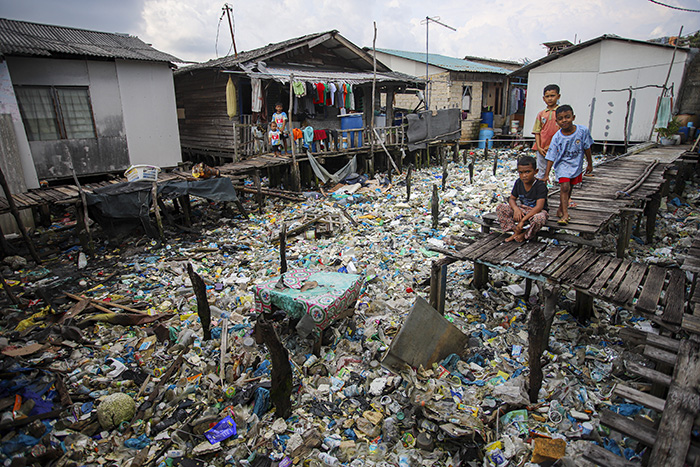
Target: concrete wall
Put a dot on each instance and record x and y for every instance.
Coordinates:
(607, 65)
(150, 114)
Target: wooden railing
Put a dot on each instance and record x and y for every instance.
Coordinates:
(348, 140)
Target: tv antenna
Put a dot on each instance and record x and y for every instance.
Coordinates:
(427, 21)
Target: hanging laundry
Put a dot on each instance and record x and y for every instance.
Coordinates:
(350, 99)
(320, 93)
(331, 94)
(256, 102)
(231, 99)
(299, 88)
(297, 133)
(663, 116)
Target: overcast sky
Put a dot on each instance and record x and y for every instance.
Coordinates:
(506, 29)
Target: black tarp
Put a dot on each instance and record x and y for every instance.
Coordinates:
(424, 127)
(133, 200)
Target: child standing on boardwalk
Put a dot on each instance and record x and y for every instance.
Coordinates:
(280, 118)
(274, 137)
(569, 145)
(545, 127)
(527, 202)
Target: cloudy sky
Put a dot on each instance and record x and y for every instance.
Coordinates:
(506, 29)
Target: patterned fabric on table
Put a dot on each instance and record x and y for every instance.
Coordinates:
(335, 293)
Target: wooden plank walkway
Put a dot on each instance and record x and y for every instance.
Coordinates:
(654, 292)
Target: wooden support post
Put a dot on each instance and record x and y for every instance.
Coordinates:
(203, 310)
(537, 342)
(258, 186)
(235, 141)
(652, 210)
(584, 307)
(435, 206)
(481, 275)
(455, 155)
(445, 162)
(438, 285)
(408, 182)
(486, 150)
(623, 236)
(156, 210)
(682, 406)
(281, 373)
(45, 215)
(681, 177)
(4, 246)
(296, 178)
(184, 202)
(80, 223)
(528, 289)
(551, 295)
(18, 218)
(471, 172)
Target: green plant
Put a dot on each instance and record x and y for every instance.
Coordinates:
(671, 129)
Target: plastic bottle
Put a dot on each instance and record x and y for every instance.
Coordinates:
(327, 459)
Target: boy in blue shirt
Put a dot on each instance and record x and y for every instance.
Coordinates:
(566, 151)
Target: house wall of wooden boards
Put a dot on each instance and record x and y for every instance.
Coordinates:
(609, 64)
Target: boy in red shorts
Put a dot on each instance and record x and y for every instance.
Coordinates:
(566, 151)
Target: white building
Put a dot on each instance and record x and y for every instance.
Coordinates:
(594, 77)
(97, 101)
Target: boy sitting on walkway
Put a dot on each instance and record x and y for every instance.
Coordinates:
(565, 154)
(527, 202)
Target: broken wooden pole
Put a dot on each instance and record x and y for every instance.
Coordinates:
(258, 189)
(495, 161)
(625, 232)
(537, 343)
(652, 210)
(455, 155)
(90, 246)
(408, 182)
(435, 206)
(18, 219)
(486, 150)
(281, 373)
(444, 170)
(471, 172)
(283, 248)
(203, 310)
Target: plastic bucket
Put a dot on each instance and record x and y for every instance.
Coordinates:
(485, 134)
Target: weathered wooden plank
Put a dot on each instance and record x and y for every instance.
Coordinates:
(544, 259)
(500, 252)
(663, 342)
(601, 456)
(683, 405)
(616, 279)
(651, 290)
(602, 278)
(643, 398)
(580, 267)
(628, 289)
(675, 297)
(660, 355)
(467, 252)
(561, 259)
(628, 427)
(586, 279)
(574, 259)
(648, 374)
(524, 254)
(691, 323)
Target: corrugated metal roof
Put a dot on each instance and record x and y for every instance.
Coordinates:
(318, 74)
(448, 63)
(44, 40)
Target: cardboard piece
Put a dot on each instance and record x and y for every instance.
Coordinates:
(425, 337)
